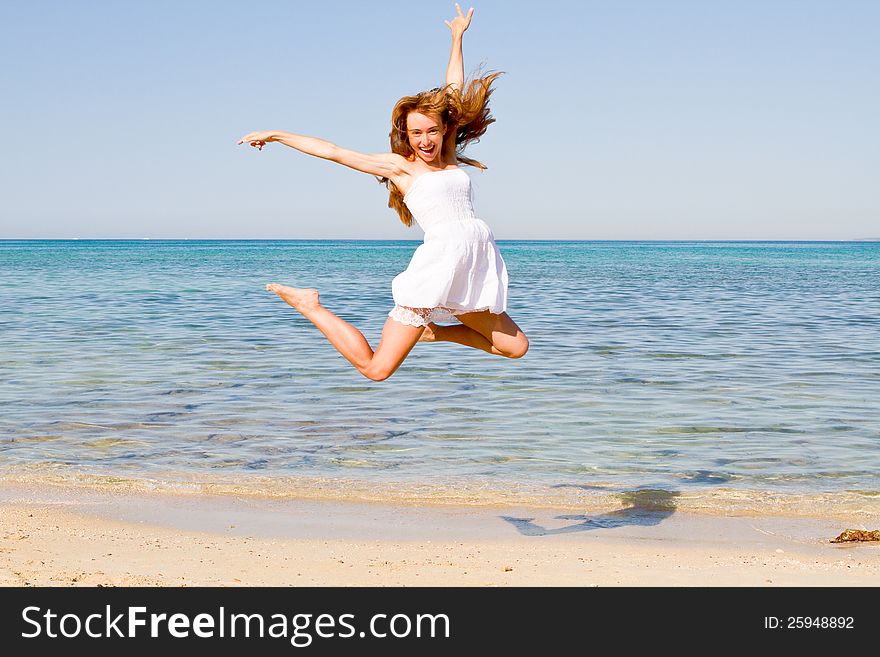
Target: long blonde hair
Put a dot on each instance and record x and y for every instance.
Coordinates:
(467, 113)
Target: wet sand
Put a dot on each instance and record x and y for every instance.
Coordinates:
(56, 536)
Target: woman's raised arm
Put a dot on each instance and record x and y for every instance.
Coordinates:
(386, 165)
(455, 69)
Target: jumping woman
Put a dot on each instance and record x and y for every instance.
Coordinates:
(458, 271)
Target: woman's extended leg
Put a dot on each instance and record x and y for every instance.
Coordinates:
(396, 343)
(496, 334)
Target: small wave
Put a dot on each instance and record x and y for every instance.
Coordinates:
(722, 429)
(600, 497)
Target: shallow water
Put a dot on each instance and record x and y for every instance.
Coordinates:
(686, 367)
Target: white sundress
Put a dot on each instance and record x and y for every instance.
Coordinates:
(459, 268)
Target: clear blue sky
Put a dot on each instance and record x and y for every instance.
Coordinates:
(637, 119)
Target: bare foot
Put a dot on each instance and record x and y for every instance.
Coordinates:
(300, 298)
(430, 333)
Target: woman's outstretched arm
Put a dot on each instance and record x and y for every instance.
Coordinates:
(455, 69)
(386, 165)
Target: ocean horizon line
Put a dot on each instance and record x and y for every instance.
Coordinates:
(416, 239)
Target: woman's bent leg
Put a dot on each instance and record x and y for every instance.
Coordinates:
(396, 343)
(506, 338)
(460, 334)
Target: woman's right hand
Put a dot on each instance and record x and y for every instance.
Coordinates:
(460, 23)
(258, 139)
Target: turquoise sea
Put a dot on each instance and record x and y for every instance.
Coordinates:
(734, 374)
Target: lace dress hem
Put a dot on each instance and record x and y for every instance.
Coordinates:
(424, 316)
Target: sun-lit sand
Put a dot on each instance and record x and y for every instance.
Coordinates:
(52, 536)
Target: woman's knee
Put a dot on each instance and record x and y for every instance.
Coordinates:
(377, 373)
(518, 348)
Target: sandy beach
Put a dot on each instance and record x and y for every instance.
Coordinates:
(56, 536)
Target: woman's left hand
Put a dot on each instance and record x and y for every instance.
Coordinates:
(461, 22)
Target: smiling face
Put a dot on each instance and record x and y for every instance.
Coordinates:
(425, 132)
